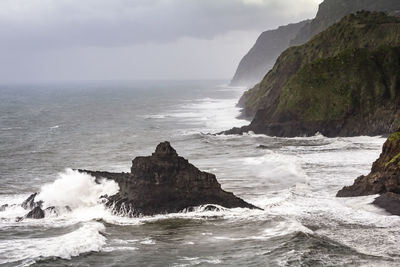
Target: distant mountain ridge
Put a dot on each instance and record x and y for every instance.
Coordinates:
(261, 58)
(344, 82)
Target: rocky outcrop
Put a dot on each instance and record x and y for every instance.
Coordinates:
(161, 183)
(35, 213)
(164, 183)
(384, 178)
(262, 56)
(385, 172)
(332, 11)
(30, 203)
(344, 82)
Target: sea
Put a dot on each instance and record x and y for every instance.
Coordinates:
(49, 129)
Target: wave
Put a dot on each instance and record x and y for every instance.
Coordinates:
(75, 190)
(87, 238)
(205, 114)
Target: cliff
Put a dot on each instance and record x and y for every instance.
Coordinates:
(344, 82)
(262, 56)
(383, 179)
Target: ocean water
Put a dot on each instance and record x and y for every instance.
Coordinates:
(49, 129)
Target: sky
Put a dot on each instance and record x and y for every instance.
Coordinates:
(73, 40)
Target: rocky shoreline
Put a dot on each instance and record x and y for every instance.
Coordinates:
(384, 178)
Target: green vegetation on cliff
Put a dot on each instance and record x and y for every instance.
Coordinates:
(356, 81)
(350, 70)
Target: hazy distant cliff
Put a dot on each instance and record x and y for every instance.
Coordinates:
(262, 56)
(345, 81)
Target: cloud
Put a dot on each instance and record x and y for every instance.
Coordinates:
(64, 40)
(54, 23)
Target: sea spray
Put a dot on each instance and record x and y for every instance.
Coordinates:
(75, 189)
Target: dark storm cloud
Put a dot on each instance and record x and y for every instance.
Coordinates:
(60, 23)
(63, 40)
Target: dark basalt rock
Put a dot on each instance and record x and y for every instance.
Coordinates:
(36, 213)
(165, 183)
(29, 203)
(384, 178)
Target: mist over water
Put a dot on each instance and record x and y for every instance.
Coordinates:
(47, 130)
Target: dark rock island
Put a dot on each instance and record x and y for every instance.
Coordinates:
(165, 183)
(161, 183)
(384, 178)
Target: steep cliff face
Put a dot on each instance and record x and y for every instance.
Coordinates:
(332, 11)
(345, 81)
(262, 56)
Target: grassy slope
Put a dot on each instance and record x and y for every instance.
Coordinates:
(356, 81)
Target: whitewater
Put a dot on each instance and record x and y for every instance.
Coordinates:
(46, 131)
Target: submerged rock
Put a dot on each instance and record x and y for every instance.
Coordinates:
(384, 178)
(165, 183)
(390, 202)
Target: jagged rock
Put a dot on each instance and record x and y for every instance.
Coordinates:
(385, 173)
(29, 203)
(165, 183)
(36, 213)
(384, 178)
(3, 207)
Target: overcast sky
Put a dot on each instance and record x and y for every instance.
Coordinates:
(63, 40)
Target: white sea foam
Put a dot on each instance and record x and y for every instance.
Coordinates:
(87, 238)
(195, 261)
(206, 114)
